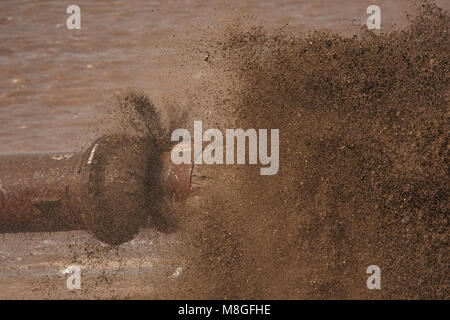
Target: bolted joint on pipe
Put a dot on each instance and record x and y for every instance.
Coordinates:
(109, 189)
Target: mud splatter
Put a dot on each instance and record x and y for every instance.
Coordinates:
(363, 165)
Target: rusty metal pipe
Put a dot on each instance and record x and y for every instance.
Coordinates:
(108, 188)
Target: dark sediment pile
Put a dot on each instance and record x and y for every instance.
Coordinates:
(363, 165)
